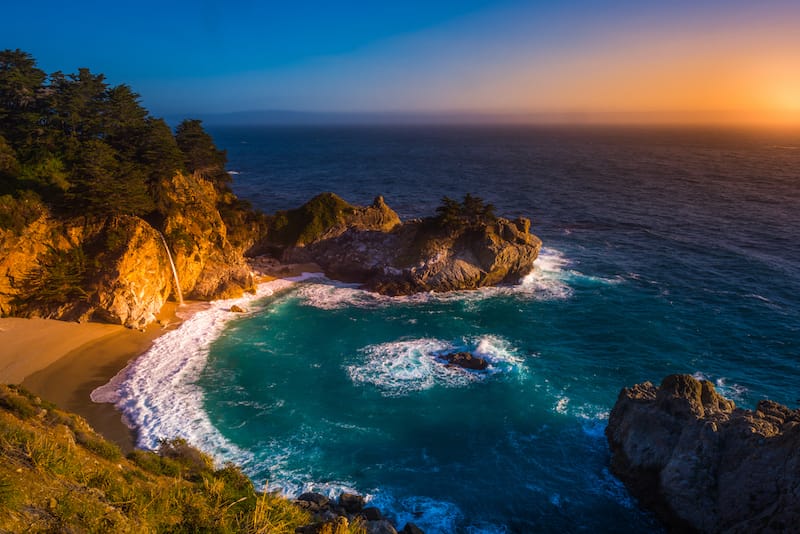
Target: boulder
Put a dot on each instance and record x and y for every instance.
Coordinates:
(351, 502)
(237, 309)
(465, 360)
(371, 513)
(701, 464)
(333, 526)
(316, 498)
(380, 527)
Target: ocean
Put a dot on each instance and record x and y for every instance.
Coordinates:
(665, 251)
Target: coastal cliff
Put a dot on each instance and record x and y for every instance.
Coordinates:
(703, 465)
(116, 269)
(98, 199)
(464, 247)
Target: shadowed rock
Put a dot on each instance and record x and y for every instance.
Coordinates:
(701, 464)
(466, 361)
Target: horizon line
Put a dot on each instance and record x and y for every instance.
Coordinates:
(717, 118)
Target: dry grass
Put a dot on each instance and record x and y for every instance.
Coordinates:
(58, 475)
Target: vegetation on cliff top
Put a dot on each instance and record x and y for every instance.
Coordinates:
(310, 221)
(84, 169)
(83, 147)
(58, 475)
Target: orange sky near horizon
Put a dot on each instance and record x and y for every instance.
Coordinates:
(747, 75)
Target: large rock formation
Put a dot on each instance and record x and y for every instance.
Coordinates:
(208, 265)
(371, 246)
(116, 269)
(701, 464)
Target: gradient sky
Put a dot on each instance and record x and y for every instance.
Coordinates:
(728, 59)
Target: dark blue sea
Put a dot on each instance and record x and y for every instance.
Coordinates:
(665, 251)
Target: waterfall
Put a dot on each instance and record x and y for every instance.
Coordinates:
(174, 271)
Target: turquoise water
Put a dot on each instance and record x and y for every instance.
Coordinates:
(331, 388)
(665, 251)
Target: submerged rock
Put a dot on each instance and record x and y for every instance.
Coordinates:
(701, 464)
(465, 360)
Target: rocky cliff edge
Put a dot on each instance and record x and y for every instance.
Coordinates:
(703, 465)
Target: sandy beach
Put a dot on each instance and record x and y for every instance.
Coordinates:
(63, 362)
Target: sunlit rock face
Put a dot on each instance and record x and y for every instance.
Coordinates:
(114, 271)
(117, 269)
(208, 265)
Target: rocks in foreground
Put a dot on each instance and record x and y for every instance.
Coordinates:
(333, 517)
(701, 464)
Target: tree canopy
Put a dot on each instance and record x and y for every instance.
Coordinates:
(471, 211)
(84, 146)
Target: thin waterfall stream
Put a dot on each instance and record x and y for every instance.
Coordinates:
(174, 271)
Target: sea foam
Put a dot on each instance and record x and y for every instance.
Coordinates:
(157, 393)
(549, 280)
(401, 367)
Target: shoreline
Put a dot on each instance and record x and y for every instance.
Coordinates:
(63, 362)
(78, 358)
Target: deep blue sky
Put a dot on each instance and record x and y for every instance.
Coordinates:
(466, 55)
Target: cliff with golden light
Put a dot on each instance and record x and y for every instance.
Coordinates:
(116, 269)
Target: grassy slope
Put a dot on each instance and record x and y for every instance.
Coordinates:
(58, 475)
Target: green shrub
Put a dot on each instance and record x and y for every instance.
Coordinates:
(18, 405)
(99, 446)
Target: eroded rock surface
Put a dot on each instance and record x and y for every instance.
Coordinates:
(375, 249)
(701, 464)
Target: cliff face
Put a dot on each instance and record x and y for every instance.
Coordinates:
(701, 464)
(374, 248)
(208, 265)
(116, 269)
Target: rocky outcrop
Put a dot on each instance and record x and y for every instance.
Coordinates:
(421, 255)
(701, 464)
(336, 516)
(324, 217)
(208, 265)
(465, 360)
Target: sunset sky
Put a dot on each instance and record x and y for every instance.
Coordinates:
(670, 61)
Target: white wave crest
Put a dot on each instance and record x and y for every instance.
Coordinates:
(547, 281)
(401, 367)
(733, 391)
(157, 393)
(431, 515)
